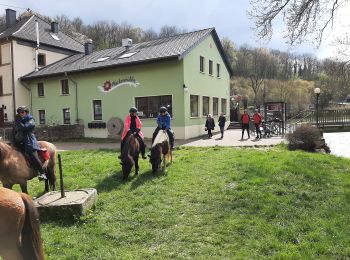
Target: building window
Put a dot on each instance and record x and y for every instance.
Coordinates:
(201, 64)
(41, 92)
(42, 117)
(223, 106)
(66, 116)
(148, 107)
(1, 87)
(41, 59)
(218, 70)
(205, 106)
(97, 106)
(64, 87)
(194, 105)
(210, 67)
(215, 106)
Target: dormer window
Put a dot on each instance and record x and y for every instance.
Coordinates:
(127, 55)
(102, 59)
(41, 59)
(55, 36)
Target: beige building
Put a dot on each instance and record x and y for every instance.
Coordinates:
(21, 54)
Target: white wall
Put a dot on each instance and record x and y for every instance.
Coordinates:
(24, 63)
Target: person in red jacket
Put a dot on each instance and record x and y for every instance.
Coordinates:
(245, 118)
(257, 121)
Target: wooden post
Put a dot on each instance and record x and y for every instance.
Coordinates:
(61, 176)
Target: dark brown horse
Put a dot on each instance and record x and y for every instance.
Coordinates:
(130, 155)
(160, 152)
(19, 227)
(14, 168)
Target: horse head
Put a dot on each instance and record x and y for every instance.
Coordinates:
(156, 157)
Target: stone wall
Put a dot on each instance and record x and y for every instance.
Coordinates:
(50, 133)
(60, 132)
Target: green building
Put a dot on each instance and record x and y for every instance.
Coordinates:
(187, 73)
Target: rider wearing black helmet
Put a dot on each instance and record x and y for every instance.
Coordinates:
(24, 138)
(133, 125)
(163, 123)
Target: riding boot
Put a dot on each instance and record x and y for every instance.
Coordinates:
(121, 148)
(37, 165)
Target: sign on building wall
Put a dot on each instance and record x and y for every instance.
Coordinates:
(109, 86)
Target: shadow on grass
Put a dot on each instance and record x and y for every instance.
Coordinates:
(110, 182)
(145, 177)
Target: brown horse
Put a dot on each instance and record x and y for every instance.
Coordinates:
(160, 152)
(19, 227)
(14, 168)
(130, 155)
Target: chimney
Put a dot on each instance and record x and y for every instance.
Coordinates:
(10, 17)
(127, 43)
(54, 27)
(88, 47)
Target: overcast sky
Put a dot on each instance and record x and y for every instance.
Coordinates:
(227, 16)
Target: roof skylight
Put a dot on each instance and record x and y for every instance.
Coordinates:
(102, 59)
(55, 36)
(126, 55)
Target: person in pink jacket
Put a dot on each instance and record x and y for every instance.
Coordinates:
(133, 125)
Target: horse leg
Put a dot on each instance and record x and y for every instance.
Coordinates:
(46, 185)
(164, 162)
(24, 187)
(136, 159)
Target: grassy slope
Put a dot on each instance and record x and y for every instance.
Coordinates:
(212, 203)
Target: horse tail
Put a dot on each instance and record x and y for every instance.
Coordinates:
(32, 246)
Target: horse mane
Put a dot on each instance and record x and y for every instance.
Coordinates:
(5, 150)
(127, 148)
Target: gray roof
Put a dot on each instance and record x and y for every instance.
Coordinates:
(175, 47)
(24, 29)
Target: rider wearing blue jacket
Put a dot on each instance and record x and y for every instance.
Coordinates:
(163, 123)
(25, 126)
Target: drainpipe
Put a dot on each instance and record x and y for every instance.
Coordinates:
(13, 81)
(76, 96)
(26, 85)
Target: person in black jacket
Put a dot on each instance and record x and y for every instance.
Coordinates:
(222, 121)
(209, 125)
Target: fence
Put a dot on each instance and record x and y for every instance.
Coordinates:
(326, 118)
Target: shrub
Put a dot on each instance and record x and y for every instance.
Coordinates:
(308, 138)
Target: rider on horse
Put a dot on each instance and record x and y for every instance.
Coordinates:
(133, 125)
(163, 123)
(24, 139)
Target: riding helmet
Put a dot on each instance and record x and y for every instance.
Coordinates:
(133, 110)
(163, 110)
(22, 108)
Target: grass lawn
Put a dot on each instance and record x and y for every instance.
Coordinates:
(213, 203)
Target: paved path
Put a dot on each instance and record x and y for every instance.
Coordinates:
(231, 138)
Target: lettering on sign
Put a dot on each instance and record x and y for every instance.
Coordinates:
(109, 86)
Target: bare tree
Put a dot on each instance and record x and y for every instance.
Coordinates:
(229, 49)
(302, 17)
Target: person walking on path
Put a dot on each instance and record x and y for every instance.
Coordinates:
(257, 121)
(209, 125)
(245, 118)
(222, 121)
